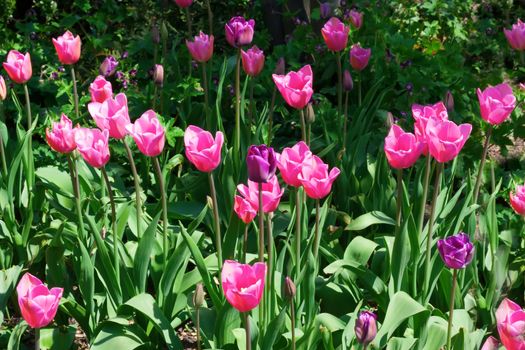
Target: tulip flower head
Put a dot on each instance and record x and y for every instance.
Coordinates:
(402, 148)
(148, 133)
(239, 31)
(158, 75)
(359, 57)
(202, 150)
(290, 162)
(296, 87)
(325, 9)
(242, 284)
(108, 66)
(261, 162)
(517, 200)
(92, 144)
(271, 194)
(61, 138)
(510, 318)
(315, 178)
(280, 66)
(348, 83)
(111, 115)
(37, 303)
(456, 251)
(3, 89)
(356, 18)
(244, 209)
(446, 139)
(67, 47)
(18, 66)
(184, 3)
(335, 34)
(201, 48)
(422, 114)
(496, 103)
(490, 344)
(252, 61)
(516, 35)
(100, 89)
(365, 327)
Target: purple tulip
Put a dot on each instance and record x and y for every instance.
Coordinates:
(108, 66)
(365, 327)
(456, 251)
(239, 31)
(348, 83)
(325, 9)
(261, 162)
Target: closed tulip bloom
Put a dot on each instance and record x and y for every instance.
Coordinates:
(359, 57)
(100, 89)
(108, 66)
(325, 9)
(490, 344)
(92, 144)
(290, 162)
(68, 48)
(510, 318)
(422, 114)
(356, 18)
(201, 48)
(335, 34)
(158, 74)
(61, 137)
(516, 35)
(18, 66)
(202, 150)
(315, 178)
(280, 66)
(261, 162)
(252, 61)
(446, 139)
(111, 115)
(365, 327)
(449, 101)
(239, 31)
(348, 83)
(402, 149)
(244, 209)
(242, 284)
(496, 103)
(3, 89)
(517, 200)
(37, 303)
(456, 251)
(148, 133)
(296, 87)
(271, 194)
(184, 3)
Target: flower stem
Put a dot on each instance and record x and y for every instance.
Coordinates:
(30, 160)
(75, 93)
(164, 209)
(303, 126)
(481, 165)
(237, 140)
(245, 244)
(451, 310)
(298, 203)
(210, 17)
(345, 121)
(37, 338)
(198, 325)
(114, 223)
(76, 190)
(269, 284)
(218, 238)
(359, 89)
(188, 21)
(206, 98)
(292, 318)
(424, 197)
(138, 203)
(270, 117)
(399, 198)
(339, 84)
(247, 331)
(317, 237)
(251, 101)
(261, 224)
(28, 107)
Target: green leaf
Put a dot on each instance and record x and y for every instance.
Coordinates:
(113, 336)
(16, 334)
(8, 279)
(143, 254)
(56, 338)
(368, 219)
(274, 330)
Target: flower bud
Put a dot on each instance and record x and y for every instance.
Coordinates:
(449, 101)
(289, 288)
(310, 114)
(261, 162)
(158, 74)
(3, 89)
(325, 10)
(198, 296)
(348, 83)
(365, 327)
(108, 66)
(164, 32)
(280, 66)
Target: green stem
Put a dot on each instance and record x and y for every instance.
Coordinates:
(237, 141)
(216, 219)
(359, 89)
(76, 190)
(317, 237)
(247, 330)
(399, 198)
(481, 165)
(345, 121)
(37, 338)
(198, 325)
(138, 203)
(210, 17)
(154, 99)
(30, 160)
(270, 267)
(164, 209)
(114, 223)
(206, 98)
(28, 108)
(2, 156)
(75, 93)
(292, 318)
(298, 203)
(261, 224)
(424, 197)
(251, 101)
(451, 310)
(303, 126)
(270, 117)
(245, 244)
(339, 84)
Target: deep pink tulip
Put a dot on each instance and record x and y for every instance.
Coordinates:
(61, 138)
(100, 89)
(244, 209)
(242, 284)
(252, 61)
(201, 48)
(517, 200)
(37, 303)
(239, 31)
(202, 150)
(422, 114)
(335, 34)
(365, 327)
(92, 144)
(510, 318)
(496, 103)
(68, 48)
(402, 149)
(296, 87)
(111, 115)
(271, 194)
(490, 344)
(315, 178)
(356, 18)
(446, 139)
(359, 57)
(184, 3)
(516, 35)
(290, 161)
(18, 66)
(148, 133)
(3, 89)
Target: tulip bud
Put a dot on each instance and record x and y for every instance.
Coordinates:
(289, 288)
(348, 83)
(158, 74)
(261, 162)
(280, 66)
(155, 34)
(325, 10)
(3, 89)
(449, 101)
(365, 327)
(108, 66)
(310, 114)
(198, 296)
(389, 120)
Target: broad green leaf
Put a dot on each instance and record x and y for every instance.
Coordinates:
(113, 336)
(56, 338)
(368, 219)
(143, 255)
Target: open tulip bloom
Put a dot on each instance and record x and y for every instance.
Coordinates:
(496, 103)
(422, 114)
(402, 148)
(18, 66)
(510, 318)
(516, 35)
(68, 48)
(335, 34)
(111, 115)
(61, 137)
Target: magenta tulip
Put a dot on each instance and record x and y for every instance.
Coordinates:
(100, 89)
(402, 149)
(242, 284)
(315, 178)
(184, 3)
(365, 327)
(3, 89)
(148, 133)
(61, 138)
(490, 344)
(335, 34)
(37, 303)
(422, 114)
(496, 103)
(517, 200)
(68, 48)
(290, 162)
(108, 66)
(296, 87)
(202, 150)
(510, 318)
(271, 194)
(456, 251)
(244, 209)
(359, 57)
(18, 66)
(516, 35)
(252, 61)
(239, 31)
(111, 115)
(446, 139)
(356, 18)
(201, 48)
(92, 144)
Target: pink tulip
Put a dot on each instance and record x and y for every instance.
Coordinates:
(516, 35)
(496, 103)
(402, 149)
(359, 57)
(315, 178)
(18, 66)
(239, 31)
(446, 139)
(244, 209)
(68, 48)
(100, 89)
(61, 138)
(356, 18)
(202, 150)
(491, 344)
(93, 146)
(296, 87)
(517, 200)
(242, 284)
(422, 114)
(290, 161)
(271, 194)
(510, 318)
(111, 115)
(184, 3)
(37, 303)
(252, 61)
(148, 133)
(201, 48)
(3, 89)
(335, 34)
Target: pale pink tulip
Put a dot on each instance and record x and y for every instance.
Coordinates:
(244, 209)
(271, 194)
(201, 48)
(490, 344)
(510, 318)
(18, 66)
(402, 149)
(202, 150)
(68, 48)
(290, 161)
(148, 133)
(296, 87)
(100, 89)
(111, 115)
(242, 284)
(315, 178)
(61, 138)
(335, 34)
(92, 144)
(496, 103)
(446, 139)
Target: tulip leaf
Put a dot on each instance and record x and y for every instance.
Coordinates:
(16, 334)
(57, 338)
(143, 254)
(9, 279)
(274, 330)
(368, 219)
(114, 336)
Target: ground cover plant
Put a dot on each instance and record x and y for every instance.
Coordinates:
(262, 175)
